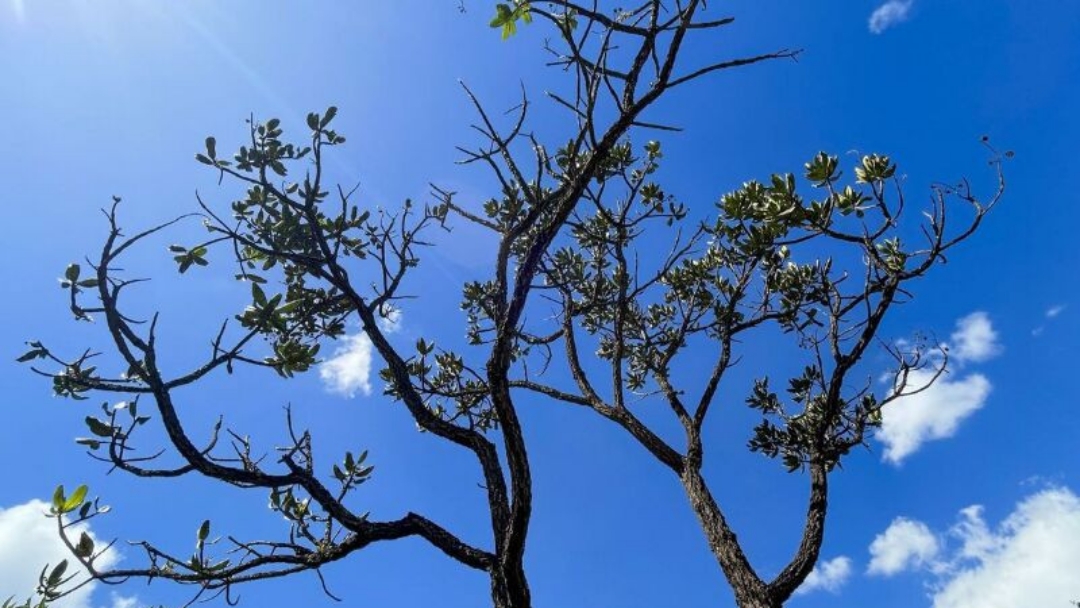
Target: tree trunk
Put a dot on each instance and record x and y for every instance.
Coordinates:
(509, 587)
(750, 591)
(757, 603)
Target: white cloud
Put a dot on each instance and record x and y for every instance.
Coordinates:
(349, 370)
(893, 12)
(1030, 559)
(974, 340)
(124, 601)
(390, 319)
(905, 545)
(1051, 313)
(935, 413)
(830, 576)
(29, 541)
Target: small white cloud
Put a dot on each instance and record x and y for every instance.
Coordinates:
(905, 545)
(1051, 313)
(937, 411)
(830, 576)
(390, 319)
(974, 340)
(123, 601)
(893, 12)
(29, 541)
(934, 413)
(349, 370)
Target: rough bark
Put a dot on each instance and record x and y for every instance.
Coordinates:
(750, 591)
(509, 587)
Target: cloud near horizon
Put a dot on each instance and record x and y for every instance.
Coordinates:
(1028, 560)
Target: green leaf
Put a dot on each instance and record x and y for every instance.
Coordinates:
(57, 574)
(313, 121)
(331, 112)
(58, 498)
(98, 427)
(507, 17)
(219, 566)
(502, 14)
(254, 278)
(89, 442)
(85, 546)
(211, 147)
(258, 295)
(204, 531)
(76, 499)
(71, 273)
(37, 353)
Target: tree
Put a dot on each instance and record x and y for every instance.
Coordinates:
(573, 273)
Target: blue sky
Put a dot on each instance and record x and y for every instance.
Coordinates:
(114, 97)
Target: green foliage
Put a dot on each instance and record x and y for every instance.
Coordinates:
(596, 256)
(507, 16)
(275, 232)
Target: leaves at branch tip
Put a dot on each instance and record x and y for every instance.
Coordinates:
(61, 503)
(37, 351)
(331, 112)
(874, 168)
(85, 547)
(56, 577)
(185, 257)
(507, 16)
(99, 428)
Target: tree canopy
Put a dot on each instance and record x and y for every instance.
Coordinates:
(604, 283)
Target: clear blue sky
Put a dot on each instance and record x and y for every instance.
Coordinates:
(114, 97)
